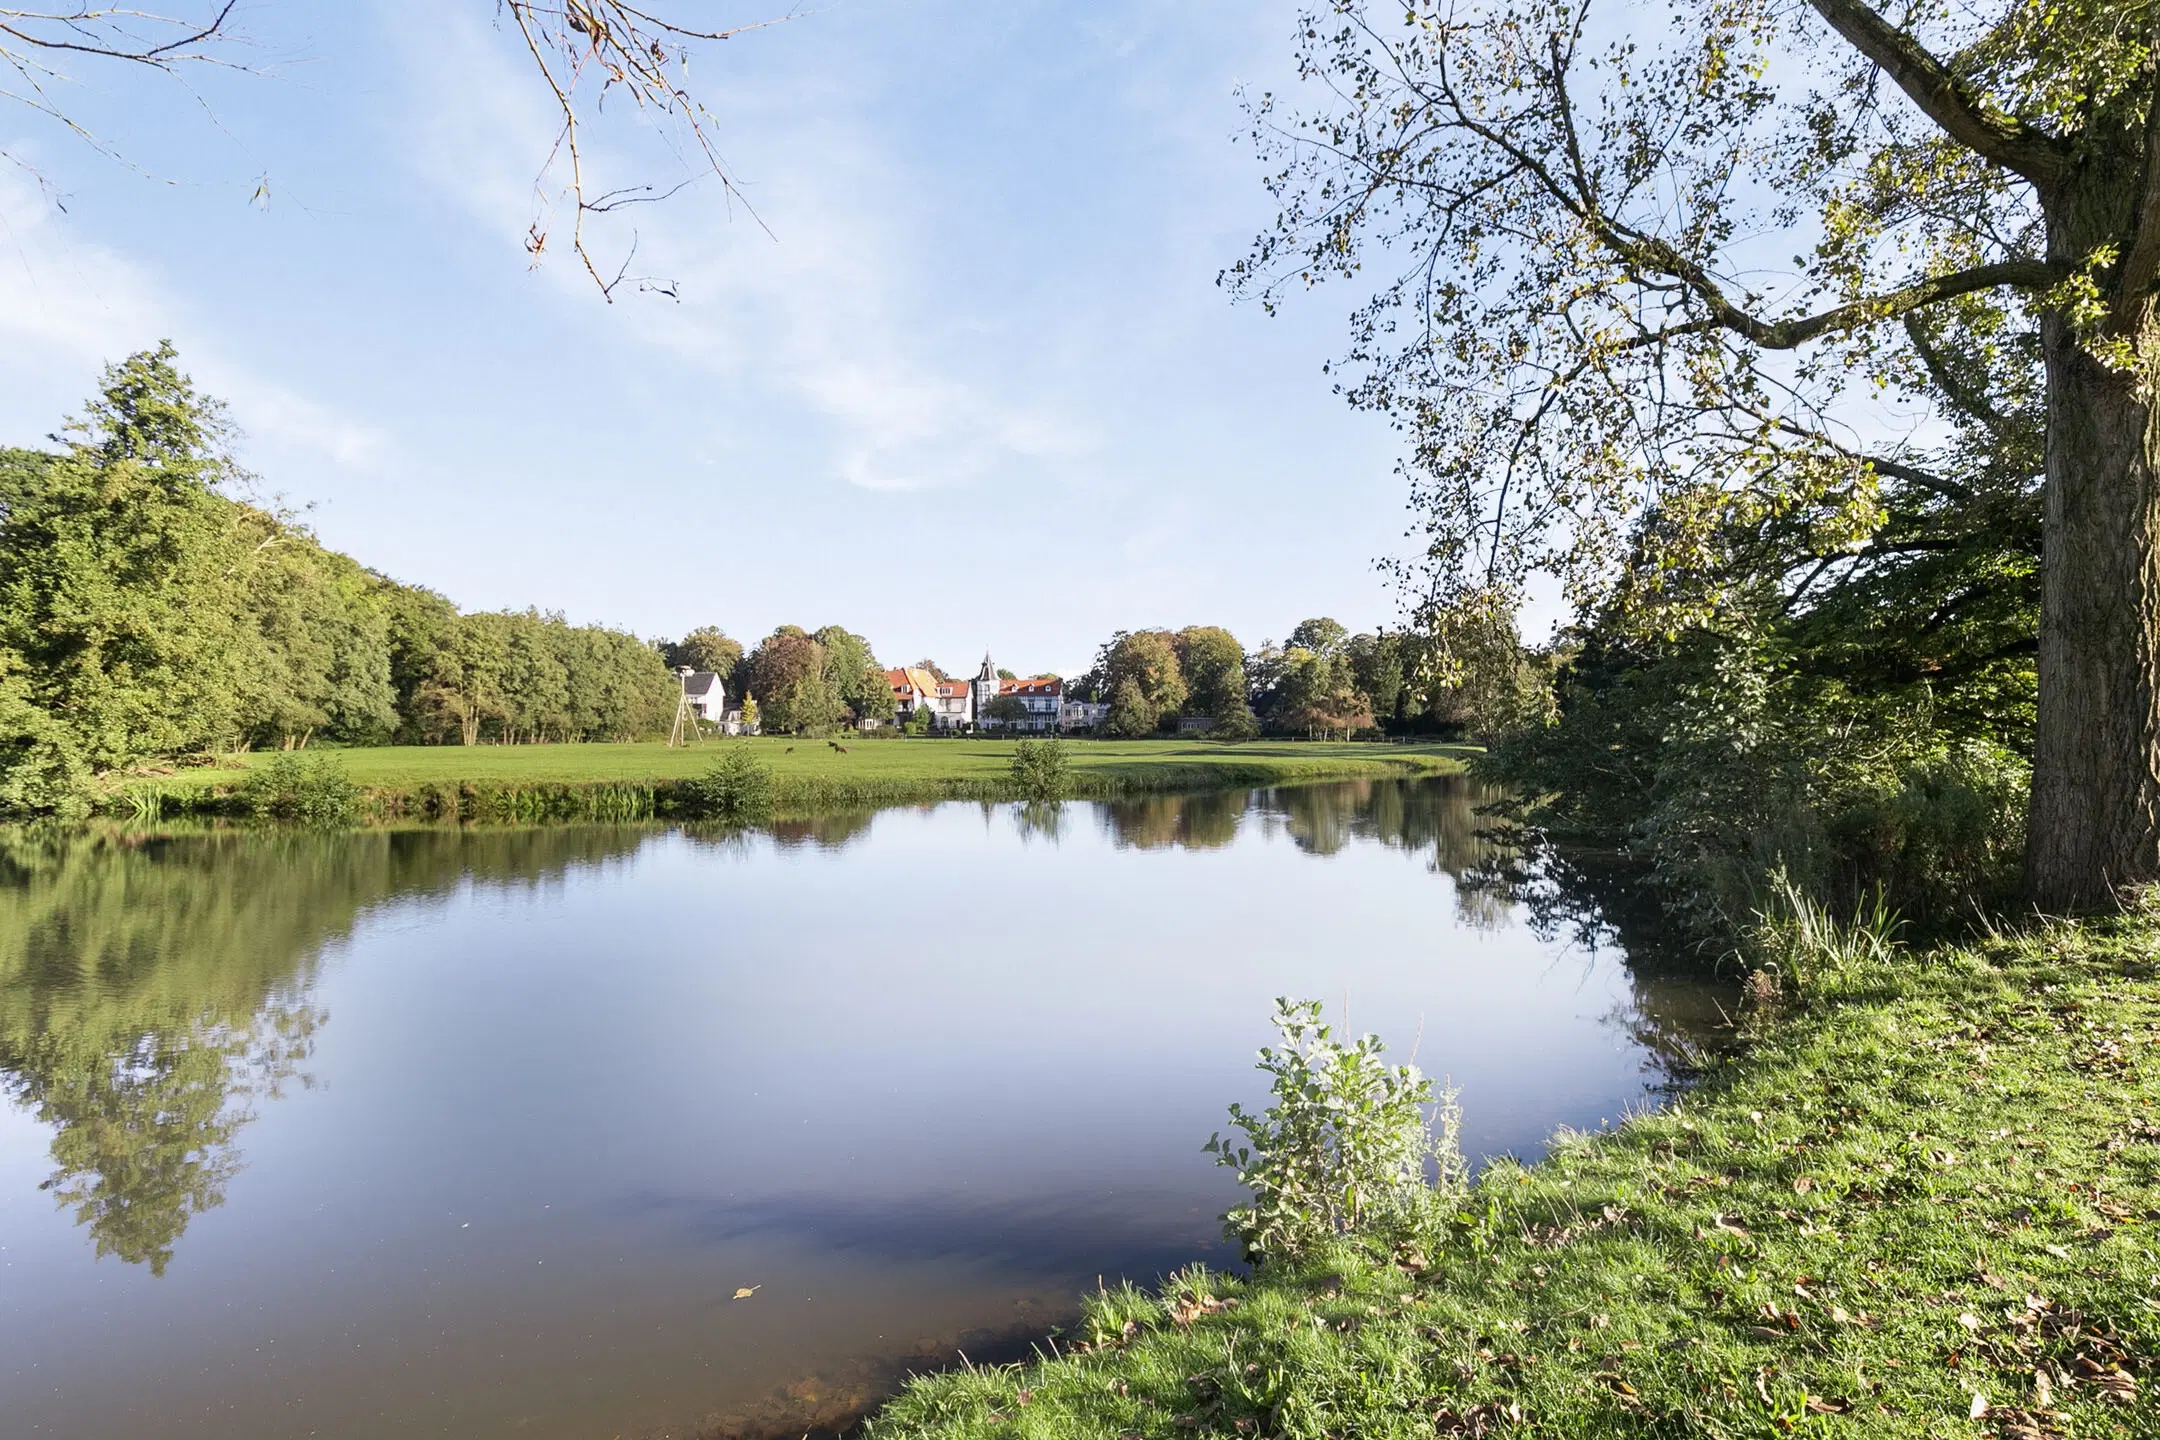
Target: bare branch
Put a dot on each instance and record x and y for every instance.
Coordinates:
(109, 32)
(589, 47)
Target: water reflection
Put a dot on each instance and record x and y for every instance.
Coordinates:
(918, 1075)
(154, 989)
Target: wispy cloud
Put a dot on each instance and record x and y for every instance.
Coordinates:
(69, 306)
(835, 306)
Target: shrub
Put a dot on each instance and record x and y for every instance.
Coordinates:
(1040, 769)
(1235, 722)
(1344, 1147)
(310, 789)
(738, 790)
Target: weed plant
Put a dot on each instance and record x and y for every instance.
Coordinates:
(302, 788)
(1344, 1147)
(737, 791)
(1040, 770)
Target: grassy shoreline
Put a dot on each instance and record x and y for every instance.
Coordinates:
(638, 781)
(1920, 1203)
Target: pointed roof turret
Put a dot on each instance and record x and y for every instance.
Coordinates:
(989, 671)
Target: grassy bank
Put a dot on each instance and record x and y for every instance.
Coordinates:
(1921, 1203)
(617, 782)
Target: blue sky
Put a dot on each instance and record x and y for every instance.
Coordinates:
(976, 388)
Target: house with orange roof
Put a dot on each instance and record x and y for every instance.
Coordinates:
(952, 705)
(911, 687)
(1042, 698)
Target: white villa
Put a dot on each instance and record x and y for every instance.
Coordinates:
(964, 704)
(1043, 696)
(707, 694)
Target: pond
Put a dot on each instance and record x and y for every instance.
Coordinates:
(482, 1133)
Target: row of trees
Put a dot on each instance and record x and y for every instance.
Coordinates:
(1467, 672)
(148, 611)
(795, 681)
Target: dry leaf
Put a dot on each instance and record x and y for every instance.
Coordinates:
(1825, 1405)
(1979, 1406)
(745, 1294)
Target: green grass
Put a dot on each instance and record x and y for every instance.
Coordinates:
(1914, 1194)
(623, 781)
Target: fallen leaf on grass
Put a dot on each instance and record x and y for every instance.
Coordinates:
(2027, 1424)
(1827, 1405)
(1189, 1307)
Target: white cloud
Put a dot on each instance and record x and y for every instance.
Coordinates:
(836, 305)
(69, 306)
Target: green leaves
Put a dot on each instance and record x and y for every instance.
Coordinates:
(1345, 1145)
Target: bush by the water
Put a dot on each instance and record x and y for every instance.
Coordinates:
(1041, 770)
(1345, 1146)
(737, 791)
(310, 789)
(1723, 764)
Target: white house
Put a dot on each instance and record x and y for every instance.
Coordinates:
(707, 694)
(912, 688)
(1082, 714)
(1042, 697)
(952, 705)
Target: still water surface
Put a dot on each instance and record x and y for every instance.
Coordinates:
(478, 1133)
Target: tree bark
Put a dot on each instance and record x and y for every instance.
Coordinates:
(2094, 828)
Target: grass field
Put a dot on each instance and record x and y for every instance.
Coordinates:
(615, 781)
(1923, 1205)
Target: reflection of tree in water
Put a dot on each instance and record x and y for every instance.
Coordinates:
(827, 830)
(152, 989)
(1588, 901)
(1186, 822)
(1039, 820)
(1600, 900)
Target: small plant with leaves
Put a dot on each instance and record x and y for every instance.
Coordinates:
(1346, 1146)
(1041, 770)
(737, 791)
(308, 789)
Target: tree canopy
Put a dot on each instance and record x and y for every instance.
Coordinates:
(1780, 275)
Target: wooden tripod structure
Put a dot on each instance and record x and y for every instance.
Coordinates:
(685, 729)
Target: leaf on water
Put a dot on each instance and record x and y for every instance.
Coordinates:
(745, 1294)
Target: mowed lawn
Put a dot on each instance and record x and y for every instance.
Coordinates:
(893, 760)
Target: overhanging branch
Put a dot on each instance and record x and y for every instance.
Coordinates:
(1963, 113)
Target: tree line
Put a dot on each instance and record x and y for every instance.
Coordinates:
(148, 608)
(1321, 680)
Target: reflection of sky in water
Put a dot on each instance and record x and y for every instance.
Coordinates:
(935, 1073)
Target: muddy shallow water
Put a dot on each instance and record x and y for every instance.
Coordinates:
(480, 1133)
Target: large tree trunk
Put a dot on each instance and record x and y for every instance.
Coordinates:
(2095, 821)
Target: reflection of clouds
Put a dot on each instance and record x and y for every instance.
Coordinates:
(1143, 1237)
